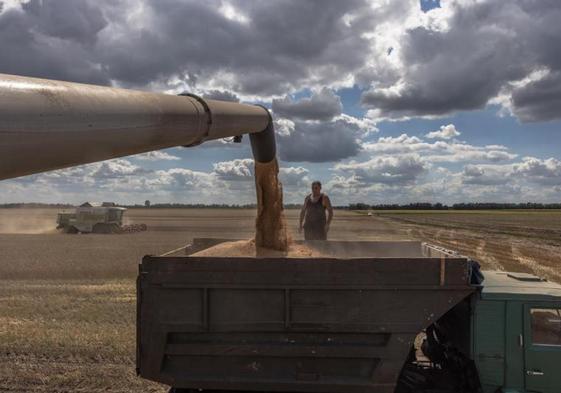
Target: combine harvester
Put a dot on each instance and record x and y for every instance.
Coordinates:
(369, 317)
(105, 218)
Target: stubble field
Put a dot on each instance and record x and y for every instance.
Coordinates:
(527, 241)
(67, 302)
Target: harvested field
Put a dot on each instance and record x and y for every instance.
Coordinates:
(68, 301)
(519, 240)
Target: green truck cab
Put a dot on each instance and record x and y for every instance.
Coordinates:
(504, 338)
(516, 333)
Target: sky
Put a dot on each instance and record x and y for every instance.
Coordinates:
(382, 101)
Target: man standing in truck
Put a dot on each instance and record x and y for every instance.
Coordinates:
(313, 217)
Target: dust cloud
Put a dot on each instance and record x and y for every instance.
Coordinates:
(27, 223)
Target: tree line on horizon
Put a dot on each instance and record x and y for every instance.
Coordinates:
(351, 206)
(455, 206)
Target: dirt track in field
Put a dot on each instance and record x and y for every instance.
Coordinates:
(67, 320)
(525, 241)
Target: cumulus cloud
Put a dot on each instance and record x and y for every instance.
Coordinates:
(323, 142)
(439, 151)
(181, 179)
(486, 175)
(240, 169)
(156, 156)
(399, 170)
(116, 169)
(464, 54)
(382, 179)
(53, 40)
(78, 21)
(294, 176)
(446, 132)
(319, 143)
(284, 127)
(243, 170)
(323, 105)
(221, 95)
(546, 172)
(238, 176)
(262, 50)
(539, 100)
(460, 56)
(386, 180)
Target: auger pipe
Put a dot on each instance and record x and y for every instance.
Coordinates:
(263, 143)
(46, 124)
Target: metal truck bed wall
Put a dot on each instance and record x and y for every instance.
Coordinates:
(285, 324)
(349, 249)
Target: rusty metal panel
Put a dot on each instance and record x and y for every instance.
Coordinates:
(281, 324)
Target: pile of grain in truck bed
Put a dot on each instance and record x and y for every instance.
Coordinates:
(246, 248)
(271, 234)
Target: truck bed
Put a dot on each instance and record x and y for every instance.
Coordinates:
(343, 323)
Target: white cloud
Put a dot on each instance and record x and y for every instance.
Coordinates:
(462, 57)
(323, 105)
(546, 172)
(487, 175)
(284, 127)
(439, 151)
(240, 169)
(156, 156)
(116, 169)
(390, 178)
(294, 177)
(243, 170)
(391, 170)
(457, 57)
(446, 132)
(340, 138)
(232, 13)
(366, 124)
(181, 179)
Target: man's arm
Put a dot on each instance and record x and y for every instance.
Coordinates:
(327, 204)
(303, 214)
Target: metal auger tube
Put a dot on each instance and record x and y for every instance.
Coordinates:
(46, 124)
